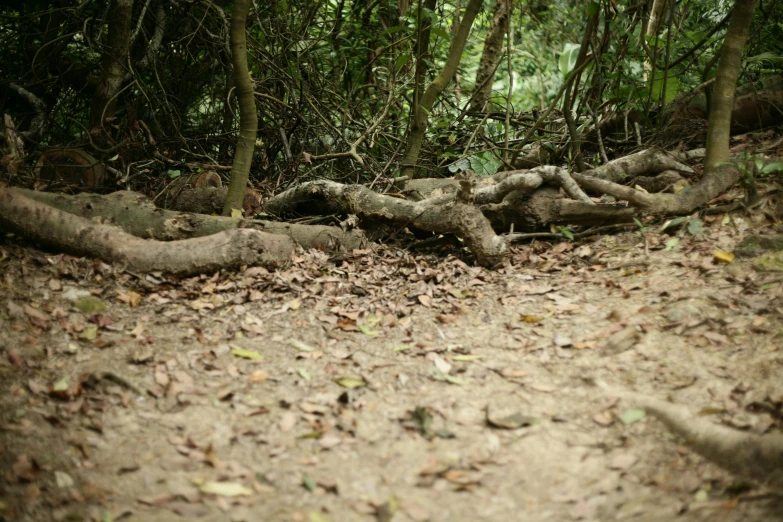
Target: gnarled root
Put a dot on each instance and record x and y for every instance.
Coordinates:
(444, 214)
(756, 456)
(76, 235)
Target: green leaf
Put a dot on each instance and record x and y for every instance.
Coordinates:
(174, 173)
(763, 57)
(392, 30)
(402, 60)
(673, 223)
(454, 380)
(696, 227)
(568, 58)
(309, 484)
(299, 345)
(440, 376)
(485, 164)
(771, 167)
(366, 330)
(566, 232)
(439, 31)
(632, 415)
(247, 354)
(317, 516)
(670, 244)
(701, 496)
(350, 382)
(726, 220)
(672, 86)
(89, 333)
(459, 166)
(304, 374)
(90, 305)
(593, 8)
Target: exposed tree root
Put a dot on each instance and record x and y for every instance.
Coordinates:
(719, 180)
(646, 162)
(756, 456)
(37, 221)
(530, 180)
(444, 214)
(136, 215)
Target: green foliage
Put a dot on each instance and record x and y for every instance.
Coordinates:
(568, 58)
(483, 164)
(672, 86)
(322, 71)
(566, 232)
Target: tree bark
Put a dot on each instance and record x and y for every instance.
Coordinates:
(656, 14)
(421, 116)
(576, 140)
(450, 213)
(73, 234)
(759, 457)
(248, 119)
(490, 56)
(135, 214)
(722, 102)
(422, 52)
(115, 59)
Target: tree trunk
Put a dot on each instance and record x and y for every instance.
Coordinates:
(722, 103)
(656, 15)
(115, 59)
(576, 140)
(490, 56)
(422, 49)
(421, 116)
(248, 119)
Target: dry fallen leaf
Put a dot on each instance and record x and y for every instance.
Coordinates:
(723, 257)
(225, 489)
(288, 421)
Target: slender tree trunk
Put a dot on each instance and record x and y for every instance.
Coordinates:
(576, 139)
(454, 29)
(490, 56)
(248, 119)
(719, 126)
(228, 112)
(115, 60)
(656, 14)
(422, 49)
(421, 116)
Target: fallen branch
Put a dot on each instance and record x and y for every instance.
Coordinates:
(39, 222)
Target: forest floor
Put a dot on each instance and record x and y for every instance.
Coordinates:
(387, 386)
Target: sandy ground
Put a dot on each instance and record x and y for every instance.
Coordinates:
(387, 386)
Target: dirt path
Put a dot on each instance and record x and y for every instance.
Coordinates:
(385, 387)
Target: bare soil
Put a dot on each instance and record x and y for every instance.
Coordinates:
(387, 386)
